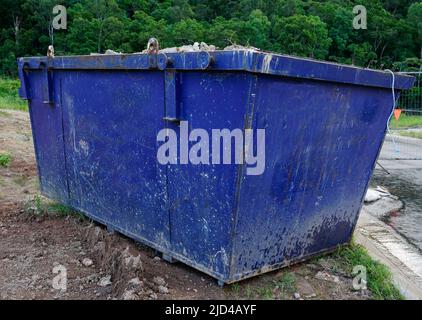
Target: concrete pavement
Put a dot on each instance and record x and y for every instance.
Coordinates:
(383, 242)
(401, 148)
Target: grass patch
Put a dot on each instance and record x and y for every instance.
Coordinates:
(42, 207)
(406, 121)
(281, 288)
(286, 284)
(5, 160)
(379, 279)
(266, 293)
(249, 292)
(9, 98)
(412, 134)
(235, 288)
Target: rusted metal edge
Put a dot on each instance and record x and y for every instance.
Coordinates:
(284, 264)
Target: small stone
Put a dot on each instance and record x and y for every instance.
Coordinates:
(195, 290)
(297, 296)
(130, 295)
(91, 278)
(159, 281)
(312, 266)
(163, 290)
(157, 259)
(135, 282)
(87, 262)
(105, 281)
(134, 263)
(322, 275)
(325, 263)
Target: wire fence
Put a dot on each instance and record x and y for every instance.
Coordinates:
(405, 142)
(410, 101)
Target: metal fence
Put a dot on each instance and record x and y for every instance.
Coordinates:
(405, 142)
(410, 101)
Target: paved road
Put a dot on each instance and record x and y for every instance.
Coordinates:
(401, 153)
(404, 179)
(387, 246)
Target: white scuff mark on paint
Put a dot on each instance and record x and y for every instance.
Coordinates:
(267, 63)
(161, 239)
(84, 147)
(224, 257)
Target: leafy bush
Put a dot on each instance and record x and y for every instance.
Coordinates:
(9, 98)
(5, 159)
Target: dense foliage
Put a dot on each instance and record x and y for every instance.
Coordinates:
(312, 28)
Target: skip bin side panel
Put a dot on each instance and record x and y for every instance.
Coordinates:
(47, 130)
(202, 198)
(112, 119)
(322, 140)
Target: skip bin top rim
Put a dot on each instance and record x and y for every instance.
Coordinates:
(258, 62)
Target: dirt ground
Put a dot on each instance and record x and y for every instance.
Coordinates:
(37, 247)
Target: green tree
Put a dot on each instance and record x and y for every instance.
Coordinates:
(245, 8)
(224, 32)
(143, 27)
(185, 32)
(397, 7)
(81, 37)
(313, 28)
(286, 8)
(256, 30)
(414, 17)
(302, 35)
(7, 58)
(362, 54)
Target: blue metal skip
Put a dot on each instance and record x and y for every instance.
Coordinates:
(95, 121)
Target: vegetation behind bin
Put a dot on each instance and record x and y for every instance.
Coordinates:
(317, 29)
